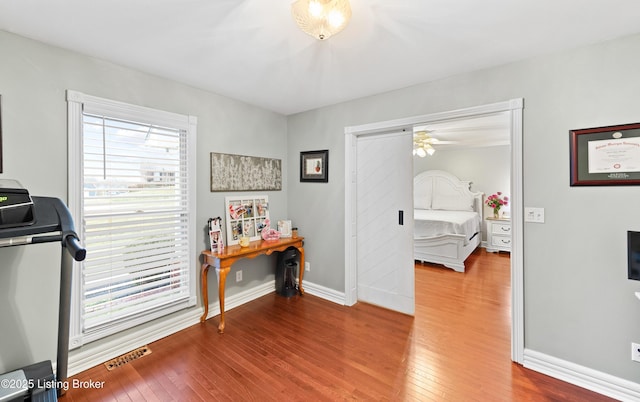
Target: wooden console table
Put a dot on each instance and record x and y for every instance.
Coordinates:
(223, 261)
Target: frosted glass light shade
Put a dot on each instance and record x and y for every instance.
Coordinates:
(321, 18)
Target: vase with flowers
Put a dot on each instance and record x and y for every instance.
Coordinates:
(497, 201)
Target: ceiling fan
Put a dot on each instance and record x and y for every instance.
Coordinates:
(423, 143)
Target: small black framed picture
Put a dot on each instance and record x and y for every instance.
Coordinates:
(314, 166)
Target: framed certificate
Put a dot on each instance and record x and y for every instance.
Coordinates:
(605, 156)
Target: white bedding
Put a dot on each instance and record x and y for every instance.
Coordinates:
(430, 223)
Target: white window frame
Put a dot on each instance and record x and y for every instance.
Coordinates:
(77, 103)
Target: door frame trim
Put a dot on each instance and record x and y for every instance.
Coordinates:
(514, 106)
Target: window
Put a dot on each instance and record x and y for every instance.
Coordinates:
(131, 192)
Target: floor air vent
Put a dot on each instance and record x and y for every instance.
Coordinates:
(127, 357)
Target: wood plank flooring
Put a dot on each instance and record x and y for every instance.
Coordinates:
(456, 348)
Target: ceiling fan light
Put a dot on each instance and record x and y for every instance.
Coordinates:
(430, 150)
(422, 141)
(321, 18)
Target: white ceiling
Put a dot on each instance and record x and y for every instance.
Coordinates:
(472, 132)
(252, 50)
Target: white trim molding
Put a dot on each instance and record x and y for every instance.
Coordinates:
(241, 298)
(324, 293)
(581, 376)
(83, 328)
(95, 353)
(515, 108)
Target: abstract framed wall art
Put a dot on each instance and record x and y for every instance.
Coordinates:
(244, 173)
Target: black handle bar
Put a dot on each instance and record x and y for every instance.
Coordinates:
(73, 247)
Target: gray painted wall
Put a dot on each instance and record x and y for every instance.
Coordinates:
(579, 304)
(33, 81)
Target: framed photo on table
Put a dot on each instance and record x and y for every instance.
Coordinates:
(605, 156)
(284, 227)
(246, 216)
(314, 166)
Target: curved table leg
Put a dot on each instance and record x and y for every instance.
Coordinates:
(222, 279)
(205, 291)
(301, 274)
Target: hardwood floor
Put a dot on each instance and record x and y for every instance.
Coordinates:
(456, 348)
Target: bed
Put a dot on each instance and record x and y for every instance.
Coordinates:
(447, 219)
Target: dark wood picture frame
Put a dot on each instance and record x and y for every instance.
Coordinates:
(314, 166)
(605, 156)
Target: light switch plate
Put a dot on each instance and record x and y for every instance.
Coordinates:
(535, 215)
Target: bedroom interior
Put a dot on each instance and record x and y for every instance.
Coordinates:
(478, 151)
(575, 294)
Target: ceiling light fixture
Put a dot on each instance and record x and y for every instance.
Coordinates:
(422, 144)
(321, 18)
(430, 150)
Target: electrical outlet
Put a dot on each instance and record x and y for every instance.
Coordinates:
(635, 352)
(238, 276)
(307, 266)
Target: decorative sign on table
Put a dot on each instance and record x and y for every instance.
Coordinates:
(244, 173)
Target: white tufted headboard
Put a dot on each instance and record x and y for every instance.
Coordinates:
(437, 189)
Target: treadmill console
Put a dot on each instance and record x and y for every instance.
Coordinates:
(16, 205)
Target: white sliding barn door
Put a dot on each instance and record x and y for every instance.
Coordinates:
(384, 221)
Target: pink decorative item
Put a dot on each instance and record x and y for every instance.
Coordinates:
(268, 233)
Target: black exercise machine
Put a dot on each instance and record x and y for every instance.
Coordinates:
(31, 220)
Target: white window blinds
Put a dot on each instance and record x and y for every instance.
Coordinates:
(136, 219)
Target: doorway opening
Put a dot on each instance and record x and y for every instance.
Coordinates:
(514, 109)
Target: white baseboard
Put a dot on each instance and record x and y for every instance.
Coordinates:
(581, 376)
(95, 353)
(241, 298)
(325, 293)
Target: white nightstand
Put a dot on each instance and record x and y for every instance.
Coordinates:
(498, 234)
